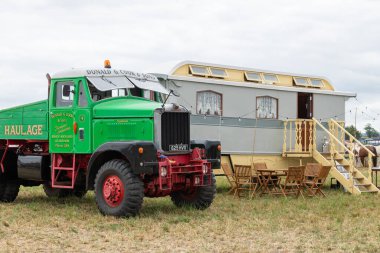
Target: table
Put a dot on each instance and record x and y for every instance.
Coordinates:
(269, 181)
(281, 173)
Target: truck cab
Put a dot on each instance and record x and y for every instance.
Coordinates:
(107, 130)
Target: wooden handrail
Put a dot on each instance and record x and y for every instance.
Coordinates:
(333, 137)
(294, 120)
(351, 136)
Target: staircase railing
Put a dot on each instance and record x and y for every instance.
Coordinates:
(298, 136)
(334, 141)
(334, 129)
(353, 140)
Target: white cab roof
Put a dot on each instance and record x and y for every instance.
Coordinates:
(103, 72)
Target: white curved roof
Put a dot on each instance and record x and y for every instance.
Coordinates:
(188, 62)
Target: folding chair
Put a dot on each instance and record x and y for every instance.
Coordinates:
(314, 178)
(293, 181)
(244, 180)
(230, 177)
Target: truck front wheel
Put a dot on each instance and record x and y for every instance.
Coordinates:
(200, 197)
(118, 191)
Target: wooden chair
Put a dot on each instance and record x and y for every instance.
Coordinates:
(244, 180)
(293, 181)
(312, 169)
(314, 178)
(230, 177)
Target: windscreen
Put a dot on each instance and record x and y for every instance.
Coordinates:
(110, 82)
(148, 85)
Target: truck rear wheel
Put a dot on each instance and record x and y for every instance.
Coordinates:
(9, 190)
(118, 191)
(200, 197)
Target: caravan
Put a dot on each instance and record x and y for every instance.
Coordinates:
(279, 118)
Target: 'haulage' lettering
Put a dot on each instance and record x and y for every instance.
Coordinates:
(23, 130)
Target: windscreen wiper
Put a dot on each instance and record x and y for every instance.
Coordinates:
(108, 81)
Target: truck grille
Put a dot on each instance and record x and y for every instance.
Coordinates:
(175, 130)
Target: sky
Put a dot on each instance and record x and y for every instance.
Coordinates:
(339, 39)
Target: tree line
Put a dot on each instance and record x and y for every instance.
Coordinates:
(369, 132)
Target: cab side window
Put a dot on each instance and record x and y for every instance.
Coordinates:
(64, 94)
(83, 102)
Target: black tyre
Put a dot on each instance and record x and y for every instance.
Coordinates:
(2, 185)
(200, 198)
(55, 192)
(9, 190)
(118, 191)
(79, 191)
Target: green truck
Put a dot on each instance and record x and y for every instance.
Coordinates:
(107, 130)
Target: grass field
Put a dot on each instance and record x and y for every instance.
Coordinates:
(338, 223)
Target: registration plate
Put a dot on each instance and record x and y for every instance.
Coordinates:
(179, 147)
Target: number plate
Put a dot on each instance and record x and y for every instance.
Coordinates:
(179, 147)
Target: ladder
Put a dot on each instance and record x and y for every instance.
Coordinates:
(69, 172)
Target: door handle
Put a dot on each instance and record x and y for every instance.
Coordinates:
(81, 133)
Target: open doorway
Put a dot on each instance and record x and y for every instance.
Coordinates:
(305, 105)
(305, 111)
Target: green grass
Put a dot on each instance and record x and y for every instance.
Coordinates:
(337, 223)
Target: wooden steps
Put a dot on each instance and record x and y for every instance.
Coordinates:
(300, 141)
(351, 178)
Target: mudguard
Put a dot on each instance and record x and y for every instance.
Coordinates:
(140, 163)
(212, 152)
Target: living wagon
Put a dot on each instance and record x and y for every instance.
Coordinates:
(268, 116)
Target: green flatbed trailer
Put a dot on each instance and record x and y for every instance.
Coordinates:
(106, 130)
(25, 122)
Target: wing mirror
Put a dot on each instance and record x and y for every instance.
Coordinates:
(66, 90)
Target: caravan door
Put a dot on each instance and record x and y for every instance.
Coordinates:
(305, 111)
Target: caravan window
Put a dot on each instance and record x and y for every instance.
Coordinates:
(209, 103)
(316, 82)
(198, 70)
(267, 107)
(301, 81)
(218, 72)
(272, 78)
(253, 76)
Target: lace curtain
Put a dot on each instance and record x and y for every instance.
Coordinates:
(266, 108)
(209, 103)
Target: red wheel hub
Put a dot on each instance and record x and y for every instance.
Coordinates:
(113, 190)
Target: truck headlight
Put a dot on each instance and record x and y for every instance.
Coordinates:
(164, 171)
(205, 168)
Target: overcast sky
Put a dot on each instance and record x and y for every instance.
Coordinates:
(337, 39)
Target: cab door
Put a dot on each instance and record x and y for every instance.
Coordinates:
(82, 119)
(61, 117)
